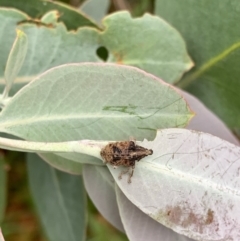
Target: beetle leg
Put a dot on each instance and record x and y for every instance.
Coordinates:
(131, 173)
(123, 172)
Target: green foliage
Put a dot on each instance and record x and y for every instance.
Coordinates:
(107, 100)
(116, 104)
(72, 18)
(60, 200)
(91, 9)
(173, 167)
(62, 163)
(15, 60)
(213, 43)
(8, 19)
(145, 49)
(52, 46)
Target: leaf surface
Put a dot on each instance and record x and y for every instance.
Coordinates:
(190, 184)
(62, 163)
(15, 60)
(131, 216)
(93, 101)
(148, 43)
(9, 19)
(53, 45)
(95, 9)
(150, 230)
(100, 183)
(60, 200)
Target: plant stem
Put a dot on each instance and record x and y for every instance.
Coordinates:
(88, 147)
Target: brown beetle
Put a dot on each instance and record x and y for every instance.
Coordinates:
(124, 153)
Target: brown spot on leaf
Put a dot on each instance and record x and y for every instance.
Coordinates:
(174, 214)
(210, 216)
(186, 217)
(119, 57)
(37, 23)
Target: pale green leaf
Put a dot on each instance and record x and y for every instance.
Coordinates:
(93, 101)
(190, 184)
(62, 163)
(150, 230)
(60, 199)
(95, 9)
(9, 19)
(148, 42)
(213, 42)
(52, 46)
(15, 60)
(100, 183)
(3, 183)
(50, 17)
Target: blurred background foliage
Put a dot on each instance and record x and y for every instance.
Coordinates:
(136, 7)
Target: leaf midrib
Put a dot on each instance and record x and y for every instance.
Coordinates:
(7, 123)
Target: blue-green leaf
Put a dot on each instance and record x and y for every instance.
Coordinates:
(60, 200)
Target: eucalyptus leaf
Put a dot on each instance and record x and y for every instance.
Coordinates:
(100, 183)
(9, 19)
(62, 163)
(51, 46)
(3, 192)
(131, 216)
(93, 101)
(213, 43)
(48, 47)
(190, 184)
(95, 9)
(15, 60)
(72, 18)
(60, 200)
(50, 17)
(140, 227)
(148, 43)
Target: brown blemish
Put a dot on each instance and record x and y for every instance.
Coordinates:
(185, 217)
(210, 216)
(37, 23)
(191, 219)
(119, 57)
(174, 214)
